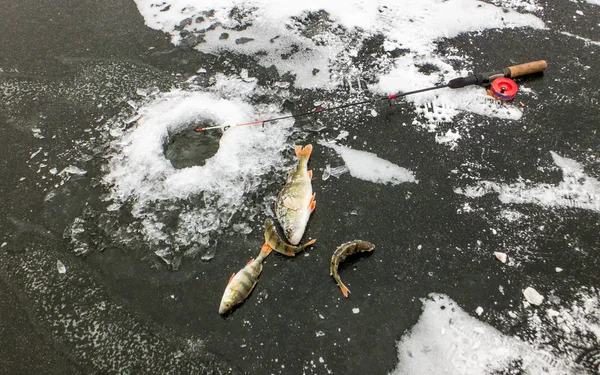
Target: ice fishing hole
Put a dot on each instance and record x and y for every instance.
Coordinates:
(188, 148)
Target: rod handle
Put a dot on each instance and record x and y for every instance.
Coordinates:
(527, 68)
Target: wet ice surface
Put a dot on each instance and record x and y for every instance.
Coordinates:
(162, 239)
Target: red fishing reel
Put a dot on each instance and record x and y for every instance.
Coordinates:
(504, 88)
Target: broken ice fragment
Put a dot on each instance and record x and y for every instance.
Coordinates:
(37, 133)
(532, 296)
(165, 254)
(558, 269)
(242, 228)
(61, 267)
(479, 310)
(209, 254)
(319, 333)
(335, 172)
(326, 173)
(72, 170)
(343, 135)
(35, 153)
(501, 256)
(355, 310)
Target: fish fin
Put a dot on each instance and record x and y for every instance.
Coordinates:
(231, 278)
(309, 243)
(303, 152)
(344, 289)
(289, 203)
(310, 174)
(265, 250)
(312, 203)
(250, 261)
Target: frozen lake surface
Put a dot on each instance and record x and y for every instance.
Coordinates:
(122, 225)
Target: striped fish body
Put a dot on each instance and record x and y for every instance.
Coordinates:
(343, 251)
(242, 283)
(274, 241)
(296, 200)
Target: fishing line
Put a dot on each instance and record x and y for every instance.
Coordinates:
(479, 79)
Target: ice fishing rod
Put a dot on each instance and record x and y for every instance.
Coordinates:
(477, 79)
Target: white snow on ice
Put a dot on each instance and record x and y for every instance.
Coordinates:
(576, 190)
(140, 173)
(369, 167)
(447, 340)
(290, 46)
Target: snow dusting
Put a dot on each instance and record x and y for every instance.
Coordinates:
(577, 189)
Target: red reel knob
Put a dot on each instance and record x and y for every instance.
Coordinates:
(504, 88)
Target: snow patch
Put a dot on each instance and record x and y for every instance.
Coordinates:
(367, 166)
(319, 49)
(447, 340)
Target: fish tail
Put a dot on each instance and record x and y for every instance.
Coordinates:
(308, 243)
(303, 153)
(265, 250)
(344, 289)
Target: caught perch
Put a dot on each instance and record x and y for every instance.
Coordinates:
(296, 200)
(241, 284)
(273, 239)
(348, 248)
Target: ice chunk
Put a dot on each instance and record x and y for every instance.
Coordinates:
(72, 170)
(558, 269)
(242, 228)
(343, 135)
(335, 172)
(35, 153)
(37, 133)
(367, 166)
(501, 256)
(61, 267)
(165, 254)
(355, 310)
(532, 296)
(209, 254)
(319, 333)
(479, 310)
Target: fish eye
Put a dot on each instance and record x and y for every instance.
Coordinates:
(228, 305)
